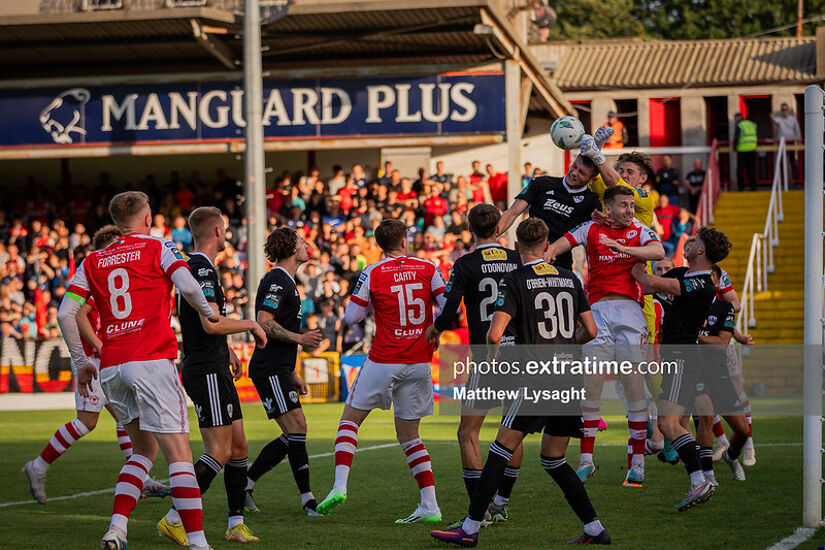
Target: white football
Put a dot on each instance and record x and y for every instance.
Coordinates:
(567, 132)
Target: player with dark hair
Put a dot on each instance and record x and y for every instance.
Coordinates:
(717, 333)
(525, 299)
(208, 381)
(272, 369)
(474, 279)
(617, 300)
(401, 290)
(687, 293)
(562, 203)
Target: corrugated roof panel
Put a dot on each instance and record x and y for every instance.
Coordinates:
(663, 64)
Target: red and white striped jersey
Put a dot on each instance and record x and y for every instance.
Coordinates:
(610, 271)
(401, 291)
(131, 283)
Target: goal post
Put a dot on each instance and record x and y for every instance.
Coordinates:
(813, 331)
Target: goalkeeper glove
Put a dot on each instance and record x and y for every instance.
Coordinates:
(589, 149)
(602, 135)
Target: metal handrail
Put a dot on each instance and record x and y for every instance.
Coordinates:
(760, 258)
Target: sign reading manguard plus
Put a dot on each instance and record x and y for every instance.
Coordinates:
(214, 111)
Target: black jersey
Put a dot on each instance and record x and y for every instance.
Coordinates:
(720, 318)
(202, 353)
(475, 278)
(277, 295)
(560, 207)
(544, 302)
(685, 315)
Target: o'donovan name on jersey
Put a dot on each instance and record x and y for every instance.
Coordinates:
(122, 258)
(505, 267)
(125, 327)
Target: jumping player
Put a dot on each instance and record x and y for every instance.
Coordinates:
(272, 369)
(474, 279)
(131, 282)
(617, 301)
(526, 297)
(207, 379)
(88, 407)
(562, 203)
(401, 290)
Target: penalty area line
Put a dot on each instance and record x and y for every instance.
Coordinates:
(802, 534)
(111, 490)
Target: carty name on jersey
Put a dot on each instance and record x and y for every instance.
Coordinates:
(403, 276)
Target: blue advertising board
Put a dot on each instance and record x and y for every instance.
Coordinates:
(455, 103)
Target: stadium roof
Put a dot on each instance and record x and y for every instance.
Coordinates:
(316, 38)
(611, 64)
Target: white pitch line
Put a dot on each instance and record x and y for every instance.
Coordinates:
(372, 448)
(802, 534)
(112, 490)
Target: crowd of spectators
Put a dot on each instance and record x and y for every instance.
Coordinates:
(42, 240)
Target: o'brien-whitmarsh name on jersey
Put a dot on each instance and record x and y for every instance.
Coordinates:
(565, 396)
(588, 365)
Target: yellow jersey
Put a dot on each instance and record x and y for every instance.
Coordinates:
(644, 202)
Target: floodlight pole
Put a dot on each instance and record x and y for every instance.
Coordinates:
(812, 420)
(254, 183)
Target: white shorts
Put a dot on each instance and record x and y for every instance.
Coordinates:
(96, 400)
(622, 332)
(147, 390)
(408, 388)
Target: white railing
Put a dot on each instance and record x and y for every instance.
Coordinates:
(760, 259)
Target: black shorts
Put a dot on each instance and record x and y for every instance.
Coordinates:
(476, 381)
(716, 383)
(215, 398)
(560, 426)
(556, 425)
(278, 394)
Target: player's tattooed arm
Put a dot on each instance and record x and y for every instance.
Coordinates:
(309, 340)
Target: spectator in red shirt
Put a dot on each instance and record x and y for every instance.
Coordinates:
(476, 176)
(497, 182)
(666, 213)
(185, 197)
(407, 195)
(435, 205)
(346, 193)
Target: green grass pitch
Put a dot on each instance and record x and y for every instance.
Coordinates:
(753, 514)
